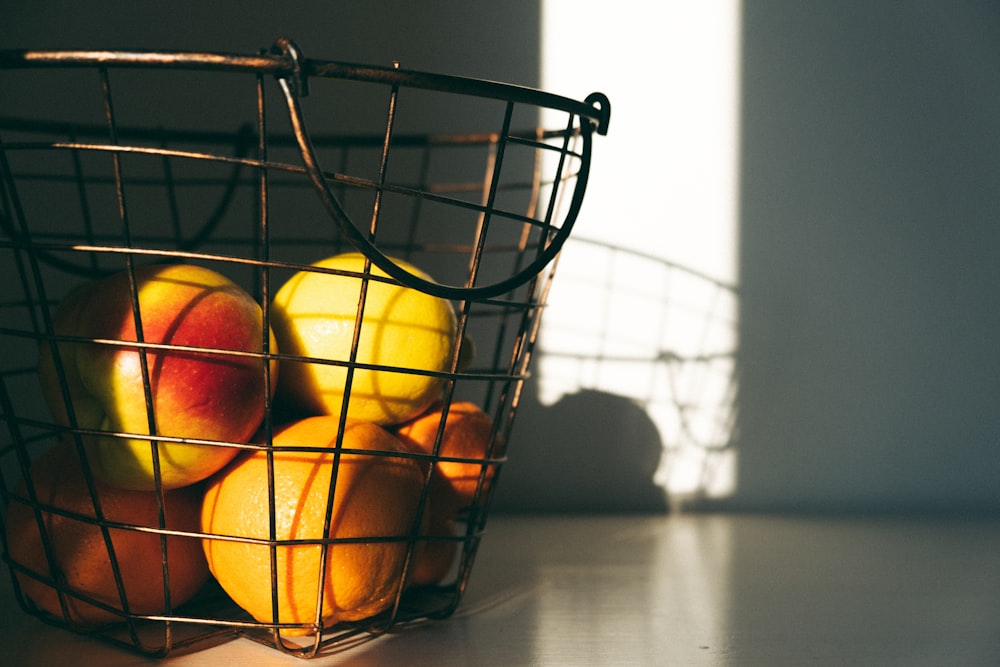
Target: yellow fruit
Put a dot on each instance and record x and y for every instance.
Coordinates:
(79, 554)
(377, 496)
(467, 434)
(314, 315)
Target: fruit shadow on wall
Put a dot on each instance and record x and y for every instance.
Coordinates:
(591, 451)
(631, 401)
(583, 440)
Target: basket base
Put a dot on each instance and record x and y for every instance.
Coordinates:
(212, 619)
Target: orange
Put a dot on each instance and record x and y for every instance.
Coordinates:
(376, 498)
(79, 555)
(467, 434)
(433, 562)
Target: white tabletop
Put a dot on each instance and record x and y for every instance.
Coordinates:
(667, 590)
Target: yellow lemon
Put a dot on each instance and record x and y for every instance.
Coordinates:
(404, 334)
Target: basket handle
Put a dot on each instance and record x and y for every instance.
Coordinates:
(294, 86)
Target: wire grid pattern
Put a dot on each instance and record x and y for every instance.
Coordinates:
(140, 164)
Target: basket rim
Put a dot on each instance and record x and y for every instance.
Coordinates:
(293, 72)
(284, 63)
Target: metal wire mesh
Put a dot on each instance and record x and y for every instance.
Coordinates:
(257, 166)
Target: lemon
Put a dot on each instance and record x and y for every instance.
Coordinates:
(405, 334)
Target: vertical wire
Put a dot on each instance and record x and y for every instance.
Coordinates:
(13, 210)
(343, 166)
(384, 158)
(81, 188)
(489, 173)
(263, 203)
(168, 179)
(483, 231)
(558, 191)
(144, 367)
(376, 209)
(536, 190)
(423, 184)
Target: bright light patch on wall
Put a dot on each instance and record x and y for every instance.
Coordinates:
(645, 304)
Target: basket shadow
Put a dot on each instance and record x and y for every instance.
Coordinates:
(590, 452)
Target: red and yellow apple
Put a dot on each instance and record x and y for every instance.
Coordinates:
(201, 386)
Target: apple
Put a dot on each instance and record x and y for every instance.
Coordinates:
(197, 390)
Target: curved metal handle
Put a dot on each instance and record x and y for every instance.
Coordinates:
(294, 86)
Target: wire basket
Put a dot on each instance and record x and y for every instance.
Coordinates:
(256, 167)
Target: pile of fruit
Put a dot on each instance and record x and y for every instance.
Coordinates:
(360, 382)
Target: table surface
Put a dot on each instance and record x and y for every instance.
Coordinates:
(681, 589)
